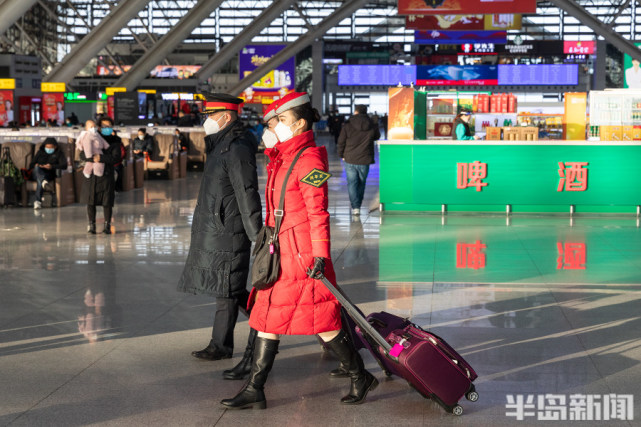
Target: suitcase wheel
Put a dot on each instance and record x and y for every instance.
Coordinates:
(387, 373)
(472, 396)
(457, 410)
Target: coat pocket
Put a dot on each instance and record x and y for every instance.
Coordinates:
(218, 214)
(300, 261)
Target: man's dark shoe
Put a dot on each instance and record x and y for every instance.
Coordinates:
(211, 353)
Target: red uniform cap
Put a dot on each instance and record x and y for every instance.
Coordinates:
(291, 100)
(270, 112)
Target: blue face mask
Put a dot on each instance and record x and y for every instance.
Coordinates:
(106, 131)
(49, 150)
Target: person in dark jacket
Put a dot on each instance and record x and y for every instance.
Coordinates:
(47, 160)
(335, 123)
(100, 190)
(144, 144)
(227, 218)
(462, 130)
(183, 141)
(184, 120)
(356, 148)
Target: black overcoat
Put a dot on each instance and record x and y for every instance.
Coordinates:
(101, 190)
(227, 217)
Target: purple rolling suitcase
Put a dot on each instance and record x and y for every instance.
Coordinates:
(426, 361)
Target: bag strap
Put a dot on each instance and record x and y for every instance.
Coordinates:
(279, 212)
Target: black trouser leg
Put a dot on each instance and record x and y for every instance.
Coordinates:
(91, 213)
(222, 334)
(91, 216)
(107, 212)
(252, 395)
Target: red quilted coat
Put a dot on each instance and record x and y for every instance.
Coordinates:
(297, 304)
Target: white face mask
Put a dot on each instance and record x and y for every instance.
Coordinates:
(92, 130)
(211, 126)
(283, 132)
(269, 138)
(141, 137)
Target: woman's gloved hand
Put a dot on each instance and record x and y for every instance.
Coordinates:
(318, 268)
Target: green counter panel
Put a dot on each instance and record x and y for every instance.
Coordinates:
(422, 177)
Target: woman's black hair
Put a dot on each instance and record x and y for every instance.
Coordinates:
(307, 113)
(143, 130)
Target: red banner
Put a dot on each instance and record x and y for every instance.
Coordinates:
(464, 7)
(445, 22)
(579, 48)
(464, 22)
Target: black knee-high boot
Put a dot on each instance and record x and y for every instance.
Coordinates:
(362, 380)
(252, 394)
(243, 368)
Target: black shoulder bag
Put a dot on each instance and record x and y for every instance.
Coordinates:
(266, 267)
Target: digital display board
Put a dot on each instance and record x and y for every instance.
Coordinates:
(382, 75)
(539, 75)
(459, 37)
(451, 75)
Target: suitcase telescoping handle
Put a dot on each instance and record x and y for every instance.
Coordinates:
(355, 313)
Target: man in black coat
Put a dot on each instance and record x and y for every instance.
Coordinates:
(142, 145)
(356, 148)
(47, 160)
(227, 218)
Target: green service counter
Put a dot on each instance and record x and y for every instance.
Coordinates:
(500, 176)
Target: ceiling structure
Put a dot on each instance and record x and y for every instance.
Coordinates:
(73, 37)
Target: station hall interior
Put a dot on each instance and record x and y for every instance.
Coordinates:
(501, 211)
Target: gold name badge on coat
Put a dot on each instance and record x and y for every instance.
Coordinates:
(316, 178)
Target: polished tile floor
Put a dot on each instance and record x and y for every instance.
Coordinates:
(93, 332)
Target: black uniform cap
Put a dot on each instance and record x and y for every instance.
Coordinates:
(221, 101)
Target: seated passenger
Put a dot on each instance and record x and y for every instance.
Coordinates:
(182, 140)
(142, 145)
(44, 164)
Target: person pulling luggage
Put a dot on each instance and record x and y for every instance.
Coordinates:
(297, 304)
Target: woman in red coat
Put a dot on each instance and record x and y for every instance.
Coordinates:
(298, 304)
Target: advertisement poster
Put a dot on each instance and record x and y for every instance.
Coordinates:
(6, 107)
(464, 7)
(456, 75)
(110, 107)
(459, 37)
(401, 114)
(275, 84)
(53, 107)
(492, 22)
(632, 72)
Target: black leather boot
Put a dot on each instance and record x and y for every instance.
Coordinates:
(244, 367)
(107, 229)
(362, 380)
(253, 394)
(91, 228)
